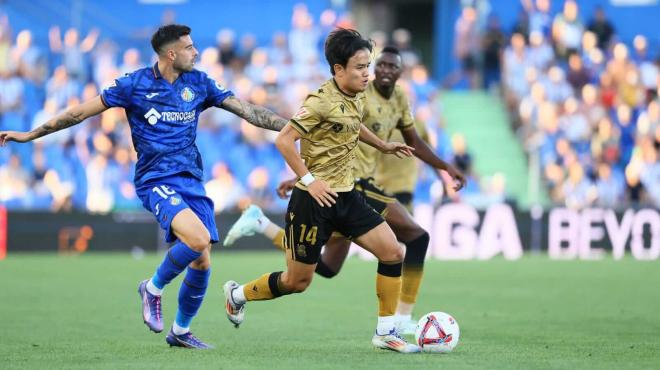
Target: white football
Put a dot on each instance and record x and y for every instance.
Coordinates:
(437, 332)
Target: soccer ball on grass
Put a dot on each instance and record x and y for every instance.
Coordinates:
(437, 332)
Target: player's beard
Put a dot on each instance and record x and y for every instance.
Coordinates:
(385, 85)
(185, 67)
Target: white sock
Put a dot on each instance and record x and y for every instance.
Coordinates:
(385, 325)
(402, 318)
(152, 289)
(238, 295)
(177, 330)
(262, 224)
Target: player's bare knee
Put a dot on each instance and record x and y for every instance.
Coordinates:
(394, 254)
(200, 241)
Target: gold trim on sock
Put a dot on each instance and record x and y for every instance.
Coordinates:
(278, 240)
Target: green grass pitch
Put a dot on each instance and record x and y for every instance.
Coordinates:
(82, 312)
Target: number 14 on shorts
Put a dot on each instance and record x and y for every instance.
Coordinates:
(311, 235)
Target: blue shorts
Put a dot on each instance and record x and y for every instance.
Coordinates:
(167, 196)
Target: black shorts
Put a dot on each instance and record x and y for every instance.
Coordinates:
(375, 195)
(406, 199)
(309, 226)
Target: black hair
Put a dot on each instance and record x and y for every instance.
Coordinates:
(167, 34)
(391, 49)
(342, 44)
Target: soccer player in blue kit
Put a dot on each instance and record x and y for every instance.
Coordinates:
(163, 103)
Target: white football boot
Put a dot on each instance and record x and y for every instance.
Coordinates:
(235, 312)
(394, 342)
(246, 225)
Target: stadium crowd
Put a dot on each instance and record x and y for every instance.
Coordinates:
(582, 100)
(90, 167)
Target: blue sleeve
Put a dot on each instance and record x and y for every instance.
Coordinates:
(119, 93)
(215, 93)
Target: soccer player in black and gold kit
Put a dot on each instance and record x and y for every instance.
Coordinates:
(398, 176)
(387, 111)
(324, 200)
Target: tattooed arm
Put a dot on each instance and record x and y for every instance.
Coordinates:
(255, 114)
(68, 118)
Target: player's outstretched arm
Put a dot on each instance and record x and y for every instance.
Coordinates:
(317, 188)
(255, 114)
(68, 118)
(426, 154)
(398, 149)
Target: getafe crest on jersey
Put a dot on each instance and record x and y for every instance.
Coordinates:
(187, 94)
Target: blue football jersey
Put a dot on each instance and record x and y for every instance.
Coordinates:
(163, 118)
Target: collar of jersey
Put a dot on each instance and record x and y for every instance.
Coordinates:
(352, 97)
(157, 74)
(156, 71)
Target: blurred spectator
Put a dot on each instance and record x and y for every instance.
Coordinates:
(539, 16)
(648, 68)
(422, 86)
(14, 179)
(467, 44)
(225, 40)
(462, 158)
(61, 88)
(12, 94)
(556, 87)
(131, 61)
(402, 40)
(493, 45)
(540, 52)
(650, 171)
(100, 196)
(103, 62)
(278, 52)
(303, 37)
(567, 30)
(576, 191)
(516, 61)
(602, 27)
(574, 124)
(223, 189)
(5, 45)
(73, 50)
(30, 59)
(590, 105)
(247, 45)
(610, 189)
(578, 76)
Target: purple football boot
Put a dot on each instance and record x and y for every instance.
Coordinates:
(187, 340)
(152, 313)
